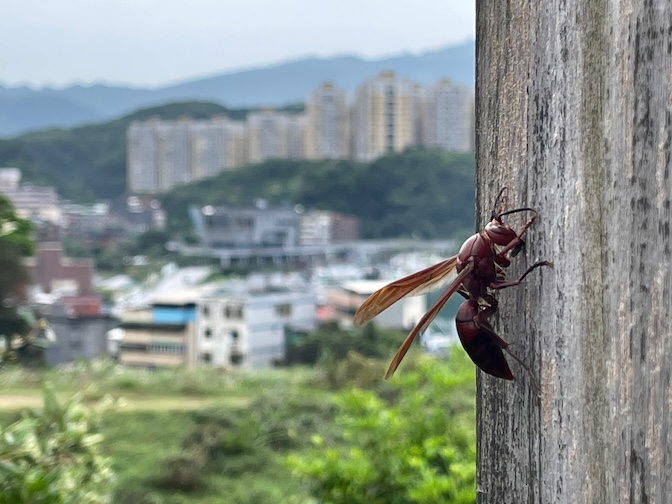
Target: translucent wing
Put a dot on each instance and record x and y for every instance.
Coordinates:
(427, 319)
(428, 279)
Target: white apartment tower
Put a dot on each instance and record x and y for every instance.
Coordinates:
(142, 157)
(328, 124)
(449, 117)
(174, 153)
(162, 154)
(274, 135)
(216, 145)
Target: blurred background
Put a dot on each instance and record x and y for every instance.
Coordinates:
(196, 198)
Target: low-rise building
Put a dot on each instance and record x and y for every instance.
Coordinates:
(322, 227)
(248, 328)
(243, 328)
(347, 297)
(159, 336)
(251, 227)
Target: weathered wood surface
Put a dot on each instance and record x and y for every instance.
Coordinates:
(574, 113)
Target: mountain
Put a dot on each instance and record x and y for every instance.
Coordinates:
(25, 109)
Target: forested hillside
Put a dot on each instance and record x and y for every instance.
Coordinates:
(89, 162)
(419, 193)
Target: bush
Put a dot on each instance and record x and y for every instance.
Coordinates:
(53, 455)
(419, 449)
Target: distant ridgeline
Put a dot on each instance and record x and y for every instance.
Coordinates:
(386, 114)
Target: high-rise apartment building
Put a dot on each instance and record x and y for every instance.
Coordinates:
(272, 134)
(174, 153)
(296, 136)
(142, 161)
(448, 119)
(384, 116)
(216, 145)
(328, 124)
(162, 154)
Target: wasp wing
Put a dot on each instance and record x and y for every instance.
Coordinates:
(431, 278)
(427, 319)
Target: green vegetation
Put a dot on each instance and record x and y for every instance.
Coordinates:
(15, 246)
(291, 435)
(88, 163)
(53, 455)
(419, 193)
(421, 447)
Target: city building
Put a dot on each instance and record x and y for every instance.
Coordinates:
(37, 203)
(162, 154)
(345, 298)
(142, 157)
(322, 227)
(238, 325)
(161, 335)
(384, 116)
(77, 337)
(63, 294)
(253, 227)
(328, 124)
(247, 328)
(53, 273)
(449, 117)
(274, 135)
(137, 214)
(217, 145)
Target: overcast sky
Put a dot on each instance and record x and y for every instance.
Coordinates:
(152, 42)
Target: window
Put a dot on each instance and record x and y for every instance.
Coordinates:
(236, 358)
(207, 333)
(233, 312)
(167, 348)
(133, 347)
(206, 357)
(234, 335)
(206, 311)
(283, 310)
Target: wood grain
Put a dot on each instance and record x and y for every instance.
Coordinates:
(574, 113)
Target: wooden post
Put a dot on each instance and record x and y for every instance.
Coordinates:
(574, 113)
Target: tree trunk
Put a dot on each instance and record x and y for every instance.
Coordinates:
(574, 114)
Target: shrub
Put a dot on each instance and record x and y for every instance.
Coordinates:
(419, 449)
(53, 455)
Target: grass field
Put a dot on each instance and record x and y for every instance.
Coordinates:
(150, 432)
(209, 436)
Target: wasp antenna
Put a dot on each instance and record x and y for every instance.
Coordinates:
(498, 200)
(518, 210)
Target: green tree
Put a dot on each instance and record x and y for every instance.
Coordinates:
(418, 449)
(15, 244)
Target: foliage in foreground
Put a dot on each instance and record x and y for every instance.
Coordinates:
(53, 455)
(418, 449)
(210, 436)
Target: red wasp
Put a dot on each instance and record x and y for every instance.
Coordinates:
(475, 273)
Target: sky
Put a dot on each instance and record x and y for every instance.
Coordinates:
(155, 42)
